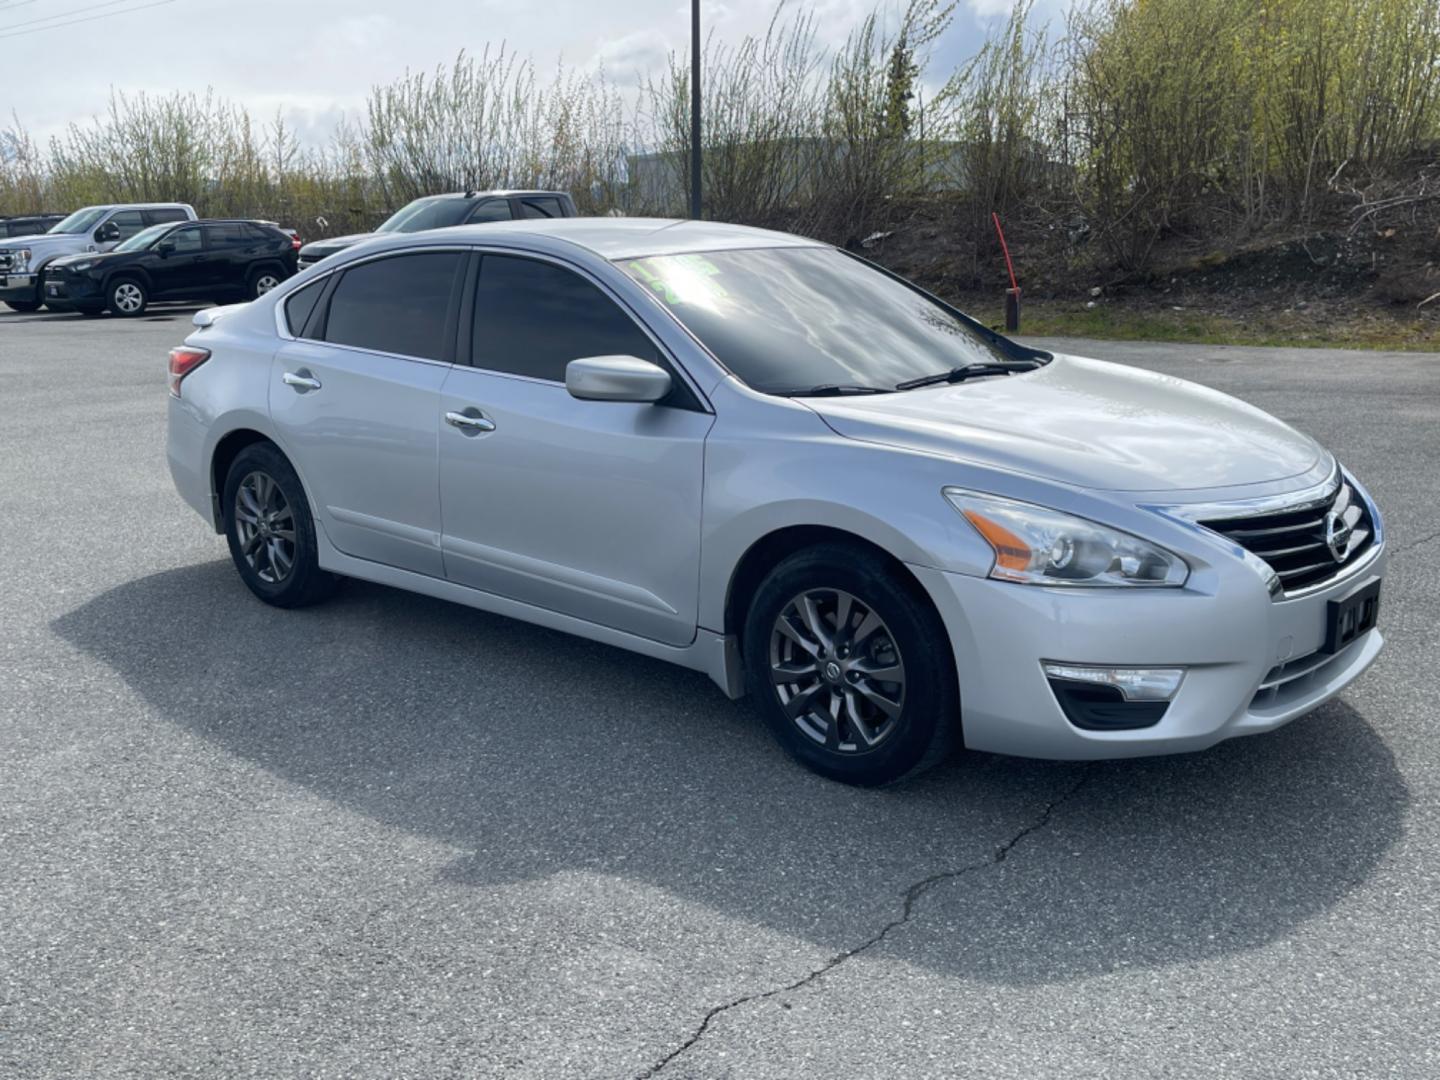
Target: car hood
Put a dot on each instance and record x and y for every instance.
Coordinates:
(1086, 423)
(39, 240)
(90, 256)
(320, 248)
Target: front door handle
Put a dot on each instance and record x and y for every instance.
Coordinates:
(470, 422)
(301, 380)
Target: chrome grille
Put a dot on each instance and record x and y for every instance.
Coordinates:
(1307, 544)
(5, 263)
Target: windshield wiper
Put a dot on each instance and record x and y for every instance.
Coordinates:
(969, 371)
(830, 390)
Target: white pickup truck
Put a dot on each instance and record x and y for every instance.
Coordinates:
(96, 228)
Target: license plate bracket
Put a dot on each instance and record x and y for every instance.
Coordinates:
(1350, 616)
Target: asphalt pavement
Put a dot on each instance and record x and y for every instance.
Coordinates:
(392, 837)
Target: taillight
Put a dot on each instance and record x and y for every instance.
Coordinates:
(184, 360)
(296, 243)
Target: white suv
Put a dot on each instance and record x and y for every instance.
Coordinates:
(96, 228)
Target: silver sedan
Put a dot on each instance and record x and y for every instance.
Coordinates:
(766, 459)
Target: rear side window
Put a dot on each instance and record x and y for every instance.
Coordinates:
(396, 305)
(541, 206)
(532, 318)
(228, 235)
(300, 304)
(491, 210)
(164, 214)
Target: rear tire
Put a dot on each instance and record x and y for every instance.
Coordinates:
(261, 282)
(127, 298)
(852, 666)
(25, 307)
(270, 531)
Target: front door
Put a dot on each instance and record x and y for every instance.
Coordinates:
(587, 508)
(358, 407)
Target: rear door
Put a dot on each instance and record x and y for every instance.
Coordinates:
(588, 508)
(231, 250)
(356, 401)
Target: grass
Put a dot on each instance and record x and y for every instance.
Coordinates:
(1116, 321)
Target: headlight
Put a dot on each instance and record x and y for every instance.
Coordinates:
(79, 267)
(20, 259)
(1037, 546)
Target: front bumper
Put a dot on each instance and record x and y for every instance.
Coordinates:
(1252, 663)
(19, 287)
(62, 292)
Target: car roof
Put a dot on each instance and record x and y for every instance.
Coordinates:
(628, 238)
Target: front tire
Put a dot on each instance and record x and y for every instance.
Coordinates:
(127, 298)
(25, 307)
(270, 531)
(852, 667)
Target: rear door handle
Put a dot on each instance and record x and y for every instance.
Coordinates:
(469, 422)
(301, 380)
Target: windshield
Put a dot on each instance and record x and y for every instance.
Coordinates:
(81, 221)
(145, 237)
(786, 319)
(434, 212)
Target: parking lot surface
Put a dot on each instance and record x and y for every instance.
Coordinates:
(391, 837)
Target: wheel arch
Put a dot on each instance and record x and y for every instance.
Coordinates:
(227, 449)
(131, 273)
(778, 544)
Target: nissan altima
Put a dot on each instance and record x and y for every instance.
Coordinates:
(766, 459)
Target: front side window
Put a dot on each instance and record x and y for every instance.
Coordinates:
(396, 305)
(532, 318)
(491, 210)
(186, 241)
(541, 206)
(128, 222)
(144, 238)
(788, 319)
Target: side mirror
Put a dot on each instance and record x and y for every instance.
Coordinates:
(616, 378)
(165, 248)
(107, 232)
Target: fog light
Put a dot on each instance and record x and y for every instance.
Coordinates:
(1134, 684)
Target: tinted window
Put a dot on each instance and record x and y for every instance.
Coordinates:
(491, 210)
(129, 222)
(541, 207)
(155, 217)
(229, 235)
(300, 304)
(434, 212)
(533, 318)
(786, 319)
(186, 241)
(396, 305)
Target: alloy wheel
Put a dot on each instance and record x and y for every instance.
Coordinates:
(837, 670)
(265, 527)
(128, 298)
(264, 283)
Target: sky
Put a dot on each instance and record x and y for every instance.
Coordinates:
(315, 60)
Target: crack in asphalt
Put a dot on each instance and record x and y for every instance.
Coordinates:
(910, 898)
(1415, 544)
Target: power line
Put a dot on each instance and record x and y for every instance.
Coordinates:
(13, 29)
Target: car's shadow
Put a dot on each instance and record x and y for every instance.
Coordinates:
(534, 753)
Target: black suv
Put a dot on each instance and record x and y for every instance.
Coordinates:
(441, 211)
(29, 224)
(188, 260)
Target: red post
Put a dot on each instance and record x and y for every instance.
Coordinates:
(1012, 294)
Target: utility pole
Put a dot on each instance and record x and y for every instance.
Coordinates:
(695, 200)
